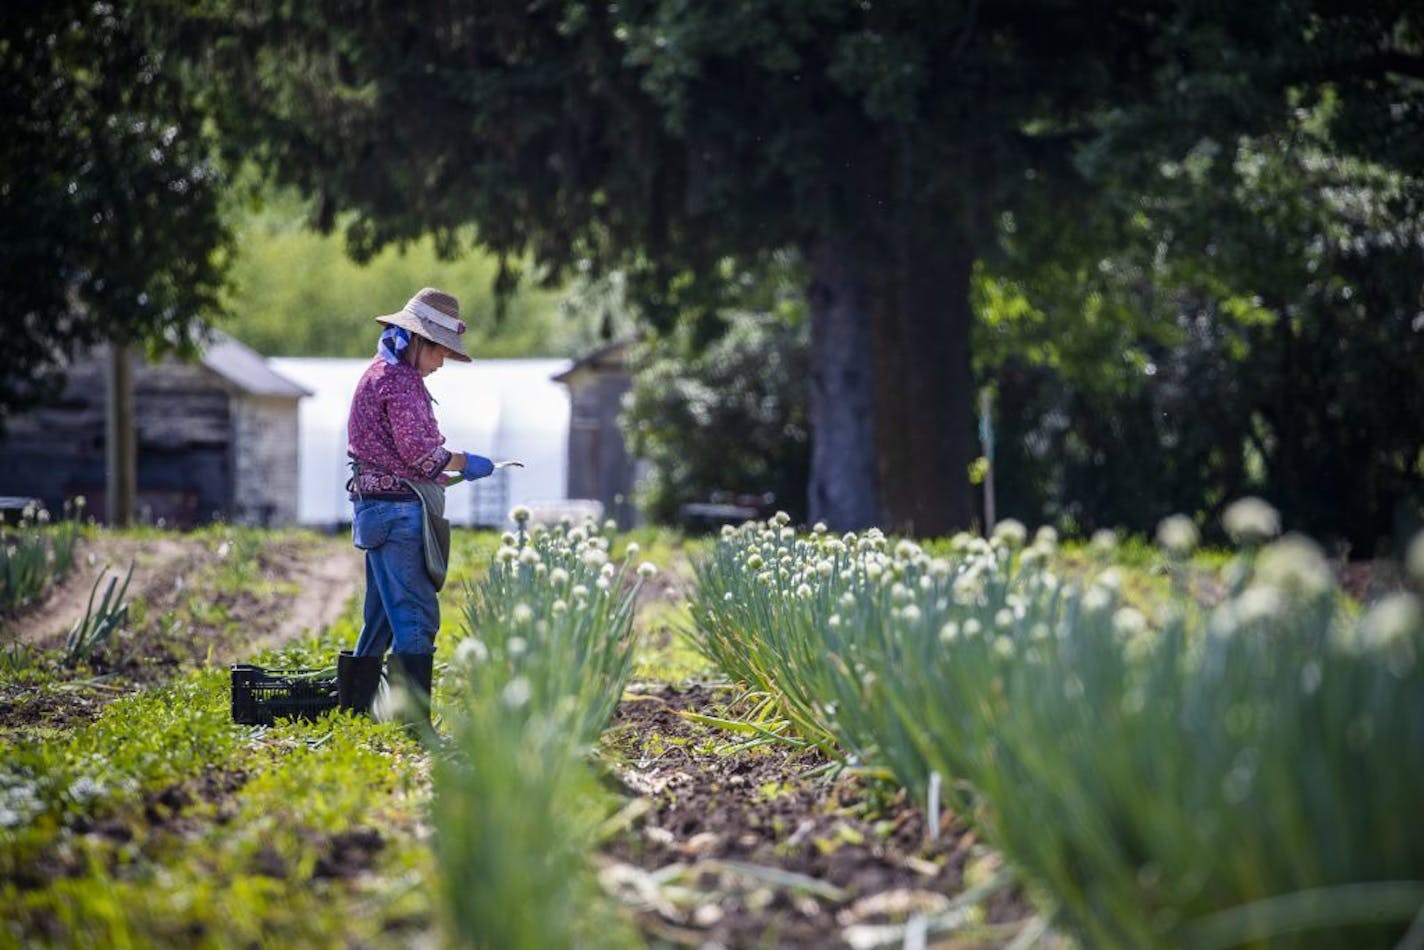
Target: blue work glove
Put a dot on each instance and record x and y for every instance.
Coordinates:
(476, 466)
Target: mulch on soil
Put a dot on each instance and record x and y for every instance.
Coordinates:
(744, 849)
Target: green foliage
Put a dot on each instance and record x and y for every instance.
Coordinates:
(208, 831)
(547, 654)
(726, 420)
(1139, 373)
(295, 292)
(109, 221)
(34, 556)
(95, 628)
(1213, 772)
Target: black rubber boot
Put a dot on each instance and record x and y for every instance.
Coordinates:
(413, 673)
(357, 680)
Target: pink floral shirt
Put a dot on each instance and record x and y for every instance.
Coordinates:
(391, 431)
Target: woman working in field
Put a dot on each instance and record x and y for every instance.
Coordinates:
(398, 460)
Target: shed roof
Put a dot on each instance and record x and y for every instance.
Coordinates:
(610, 356)
(247, 369)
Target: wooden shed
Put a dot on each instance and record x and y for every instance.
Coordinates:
(217, 439)
(599, 464)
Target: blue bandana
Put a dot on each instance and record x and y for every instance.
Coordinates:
(394, 340)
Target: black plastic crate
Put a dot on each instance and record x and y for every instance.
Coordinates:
(261, 696)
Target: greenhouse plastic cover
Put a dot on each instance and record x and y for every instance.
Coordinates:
(503, 409)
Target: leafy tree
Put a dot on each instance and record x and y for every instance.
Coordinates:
(666, 137)
(293, 292)
(1259, 316)
(109, 205)
(885, 141)
(725, 419)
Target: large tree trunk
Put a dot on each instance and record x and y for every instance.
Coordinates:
(926, 391)
(843, 489)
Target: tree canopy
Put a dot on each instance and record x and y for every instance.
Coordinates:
(110, 223)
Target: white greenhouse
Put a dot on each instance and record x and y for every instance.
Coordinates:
(503, 409)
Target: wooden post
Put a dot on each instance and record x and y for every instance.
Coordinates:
(986, 438)
(120, 449)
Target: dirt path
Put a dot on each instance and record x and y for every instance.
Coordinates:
(296, 583)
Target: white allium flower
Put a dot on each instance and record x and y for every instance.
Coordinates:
(603, 583)
(1295, 565)
(520, 514)
(911, 613)
(1414, 559)
(906, 550)
(516, 693)
(873, 570)
(941, 567)
(972, 627)
(517, 647)
(1129, 622)
(580, 592)
(847, 600)
(1004, 618)
(728, 532)
(631, 551)
(578, 536)
(1104, 542)
(470, 651)
(506, 555)
(608, 570)
(1046, 536)
(1177, 535)
(834, 620)
(899, 593)
(508, 537)
(522, 613)
(558, 577)
(1260, 604)
(819, 528)
(559, 607)
(1011, 533)
(1004, 647)
(647, 569)
(1251, 521)
(949, 632)
(825, 567)
(728, 597)
(1111, 579)
(1097, 600)
(1394, 629)
(787, 534)
(755, 562)
(594, 557)
(610, 526)
(528, 556)
(781, 519)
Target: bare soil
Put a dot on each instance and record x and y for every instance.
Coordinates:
(746, 849)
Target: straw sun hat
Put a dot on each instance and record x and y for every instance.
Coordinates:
(434, 315)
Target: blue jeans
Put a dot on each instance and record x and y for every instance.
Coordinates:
(401, 607)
